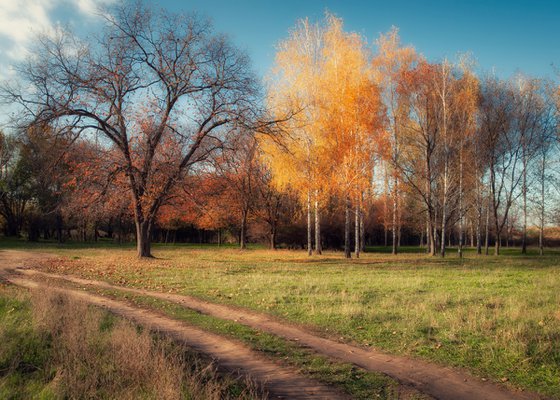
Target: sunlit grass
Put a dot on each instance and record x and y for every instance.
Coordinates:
(357, 383)
(55, 347)
(497, 316)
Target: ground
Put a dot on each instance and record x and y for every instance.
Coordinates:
(496, 317)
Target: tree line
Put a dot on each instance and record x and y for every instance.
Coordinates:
(158, 126)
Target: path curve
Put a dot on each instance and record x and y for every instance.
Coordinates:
(280, 382)
(442, 383)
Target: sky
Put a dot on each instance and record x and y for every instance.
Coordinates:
(504, 37)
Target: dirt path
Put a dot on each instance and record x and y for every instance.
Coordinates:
(433, 380)
(279, 382)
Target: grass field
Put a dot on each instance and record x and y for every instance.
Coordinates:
(498, 317)
(53, 347)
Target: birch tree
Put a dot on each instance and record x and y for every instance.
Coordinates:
(388, 67)
(295, 161)
(503, 150)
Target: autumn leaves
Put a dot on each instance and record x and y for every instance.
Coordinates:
(360, 111)
(178, 119)
(331, 143)
(453, 149)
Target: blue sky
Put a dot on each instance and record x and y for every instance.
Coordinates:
(504, 36)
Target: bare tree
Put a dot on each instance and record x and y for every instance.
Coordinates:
(390, 64)
(418, 163)
(545, 146)
(528, 116)
(503, 150)
(161, 88)
(238, 167)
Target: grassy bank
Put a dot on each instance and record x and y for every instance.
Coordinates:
(357, 383)
(55, 348)
(496, 316)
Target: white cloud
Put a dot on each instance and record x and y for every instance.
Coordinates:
(21, 20)
(91, 7)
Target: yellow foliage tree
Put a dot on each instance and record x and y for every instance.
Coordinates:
(328, 148)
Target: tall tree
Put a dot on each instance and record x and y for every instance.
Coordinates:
(352, 117)
(238, 166)
(466, 103)
(502, 145)
(528, 118)
(162, 89)
(388, 67)
(296, 161)
(421, 139)
(545, 146)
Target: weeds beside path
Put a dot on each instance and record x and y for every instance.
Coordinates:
(433, 380)
(279, 381)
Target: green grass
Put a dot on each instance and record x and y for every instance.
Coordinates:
(496, 316)
(356, 382)
(24, 353)
(22, 243)
(53, 347)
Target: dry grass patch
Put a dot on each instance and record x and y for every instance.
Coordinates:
(88, 353)
(496, 316)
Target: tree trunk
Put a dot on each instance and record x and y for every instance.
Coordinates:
(357, 246)
(395, 211)
(479, 232)
(508, 232)
(386, 208)
(472, 233)
(486, 241)
(541, 239)
(59, 237)
(95, 232)
(347, 252)
(243, 233)
(428, 233)
(362, 230)
(430, 218)
(435, 233)
(444, 209)
(318, 246)
(272, 239)
(479, 208)
(143, 239)
(309, 235)
(498, 233)
(541, 230)
(399, 232)
(460, 247)
(524, 194)
(498, 244)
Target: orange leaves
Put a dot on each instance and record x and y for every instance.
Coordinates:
(332, 141)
